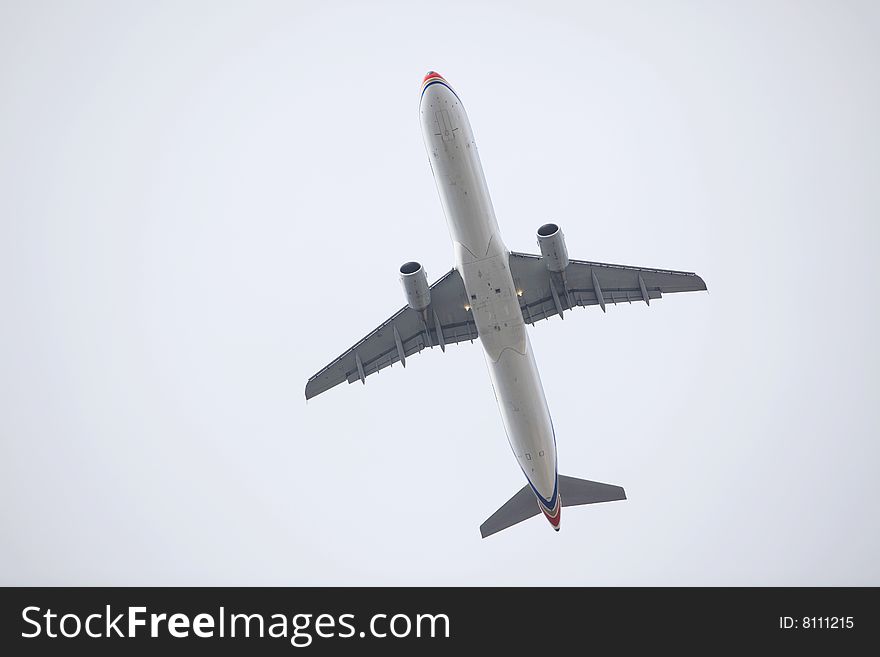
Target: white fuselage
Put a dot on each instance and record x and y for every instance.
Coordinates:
(482, 259)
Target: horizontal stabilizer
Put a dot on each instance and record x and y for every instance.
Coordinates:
(572, 492)
(580, 491)
(521, 506)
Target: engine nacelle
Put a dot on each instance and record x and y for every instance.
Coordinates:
(415, 285)
(552, 245)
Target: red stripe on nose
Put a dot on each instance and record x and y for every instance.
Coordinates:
(432, 75)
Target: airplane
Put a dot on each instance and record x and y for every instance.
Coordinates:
(491, 294)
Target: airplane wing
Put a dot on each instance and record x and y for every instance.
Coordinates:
(582, 283)
(405, 333)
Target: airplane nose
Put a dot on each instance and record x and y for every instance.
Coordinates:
(432, 74)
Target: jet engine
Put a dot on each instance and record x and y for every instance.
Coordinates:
(552, 245)
(415, 285)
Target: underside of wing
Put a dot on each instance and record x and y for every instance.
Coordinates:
(446, 320)
(544, 293)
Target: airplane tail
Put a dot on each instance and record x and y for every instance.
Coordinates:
(572, 492)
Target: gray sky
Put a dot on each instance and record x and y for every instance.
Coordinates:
(201, 204)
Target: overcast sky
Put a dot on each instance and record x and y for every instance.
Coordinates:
(201, 204)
